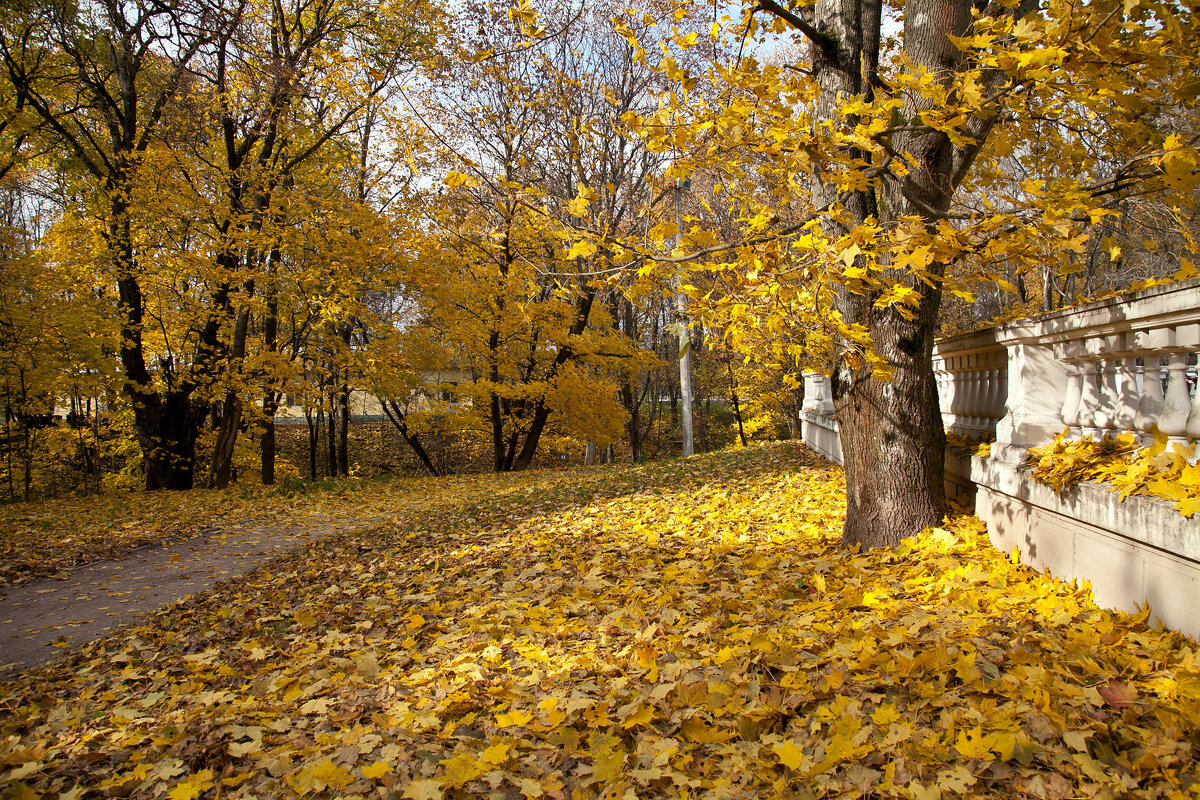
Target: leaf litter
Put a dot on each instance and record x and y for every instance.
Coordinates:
(680, 629)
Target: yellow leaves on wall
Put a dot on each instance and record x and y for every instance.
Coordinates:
(1154, 471)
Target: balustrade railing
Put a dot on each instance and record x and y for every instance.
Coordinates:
(1132, 383)
(972, 379)
(1114, 366)
(1125, 363)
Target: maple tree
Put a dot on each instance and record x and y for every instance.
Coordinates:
(177, 126)
(519, 305)
(865, 174)
(282, 225)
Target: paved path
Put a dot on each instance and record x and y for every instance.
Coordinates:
(40, 620)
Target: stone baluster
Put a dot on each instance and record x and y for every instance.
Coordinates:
(952, 397)
(1151, 403)
(810, 393)
(1176, 405)
(944, 387)
(1105, 414)
(1153, 344)
(983, 402)
(983, 395)
(997, 388)
(1127, 396)
(958, 396)
(826, 394)
(1193, 420)
(1089, 398)
(987, 392)
(971, 406)
(1070, 409)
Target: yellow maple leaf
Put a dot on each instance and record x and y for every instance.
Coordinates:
(455, 179)
(640, 717)
(330, 775)
(581, 249)
(1188, 506)
(790, 755)
(377, 770)
(515, 718)
(462, 768)
(193, 786)
(424, 789)
(495, 755)
(973, 743)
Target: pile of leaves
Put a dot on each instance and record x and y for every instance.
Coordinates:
(669, 630)
(1154, 471)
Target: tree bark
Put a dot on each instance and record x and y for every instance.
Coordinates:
(271, 396)
(331, 436)
(221, 470)
(893, 441)
(343, 433)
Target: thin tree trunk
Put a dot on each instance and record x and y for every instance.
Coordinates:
(314, 440)
(737, 408)
(227, 433)
(331, 438)
(8, 442)
(271, 397)
(267, 442)
(343, 436)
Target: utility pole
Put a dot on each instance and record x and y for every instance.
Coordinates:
(685, 343)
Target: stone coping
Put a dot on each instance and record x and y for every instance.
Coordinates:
(1148, 520)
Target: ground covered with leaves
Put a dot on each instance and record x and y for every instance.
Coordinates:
(679, 629)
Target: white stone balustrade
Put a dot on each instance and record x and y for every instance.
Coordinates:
(1118, 366)
(819, 428)
(1114, 366)
(972, 379)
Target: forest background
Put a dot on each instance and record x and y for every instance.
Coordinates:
(506, 224)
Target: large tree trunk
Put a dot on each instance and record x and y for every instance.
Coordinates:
(167, 431)
(892, 436)
(227, 432)
(166, 424)
(893, 442)
(540, 415)
(221, 470)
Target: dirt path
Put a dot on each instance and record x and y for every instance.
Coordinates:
(40, 620)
